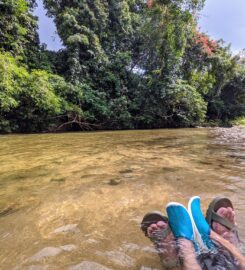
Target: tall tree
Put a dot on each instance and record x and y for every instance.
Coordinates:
(18, 28)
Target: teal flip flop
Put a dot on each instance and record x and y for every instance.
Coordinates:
(201, 227)
(180, 221)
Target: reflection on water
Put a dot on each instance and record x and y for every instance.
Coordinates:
(75, 201)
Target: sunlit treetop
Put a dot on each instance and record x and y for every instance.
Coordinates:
(186, 4)
(208, 46)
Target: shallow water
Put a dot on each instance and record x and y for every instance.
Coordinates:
(68, 201)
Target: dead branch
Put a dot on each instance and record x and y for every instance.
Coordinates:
(77, 120)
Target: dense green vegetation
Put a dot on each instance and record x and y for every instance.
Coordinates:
(126, 64)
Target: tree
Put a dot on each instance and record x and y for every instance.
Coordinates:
(18, 27)
(33, 101)
(125, 64)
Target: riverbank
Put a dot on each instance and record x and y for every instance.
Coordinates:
(239, 122)
(210, 124)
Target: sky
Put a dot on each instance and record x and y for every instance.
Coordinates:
(220, 19)
(47, 30)
(225, 19)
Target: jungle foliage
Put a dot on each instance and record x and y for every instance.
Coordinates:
(125, 64)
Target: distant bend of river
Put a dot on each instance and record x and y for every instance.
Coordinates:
(75, 200)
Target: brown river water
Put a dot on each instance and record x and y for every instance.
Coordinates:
(75, 201)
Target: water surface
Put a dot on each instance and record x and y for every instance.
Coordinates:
(68, 201)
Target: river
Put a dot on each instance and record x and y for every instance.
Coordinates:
(75, 200)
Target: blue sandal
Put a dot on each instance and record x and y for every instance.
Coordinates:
(201, 227)
(180, 221)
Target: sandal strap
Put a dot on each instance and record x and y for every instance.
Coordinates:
(223, 221)
(165, 232)
(159, 236)
(170, 264)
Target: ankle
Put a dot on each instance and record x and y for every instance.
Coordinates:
(186, 246)
(187, 254)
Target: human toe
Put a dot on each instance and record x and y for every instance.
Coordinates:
(151, 229)
(221, 211)
(161, 224)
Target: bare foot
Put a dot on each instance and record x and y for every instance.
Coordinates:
(165, 244)
(229, 214)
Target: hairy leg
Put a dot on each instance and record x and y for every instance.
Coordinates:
(187, 253)
(166, 246)
(230, 247)
(168, 251)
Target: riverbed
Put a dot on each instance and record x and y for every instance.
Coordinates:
(75, 200)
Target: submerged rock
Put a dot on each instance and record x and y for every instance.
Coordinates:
(67, 228)
(8, 210)
(126, 171)
(86, 265)
(92, 241)
(58, 180)
(37, 267)
(51, 252)
(68, 248)
(46, 252)
(130, 247)
(119, 258)
(149, 249)
(114, 182)
(170, 169)
(147, 268)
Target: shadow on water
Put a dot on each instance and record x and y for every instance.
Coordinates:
(75, 201)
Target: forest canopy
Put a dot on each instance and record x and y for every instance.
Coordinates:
(126, 64)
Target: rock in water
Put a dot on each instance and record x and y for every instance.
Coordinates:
(86, 265)
(114, 182)
(46, 252)
(67, 228)
(119, 258)
(68, 248)
(147, 268)
(51, 252)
